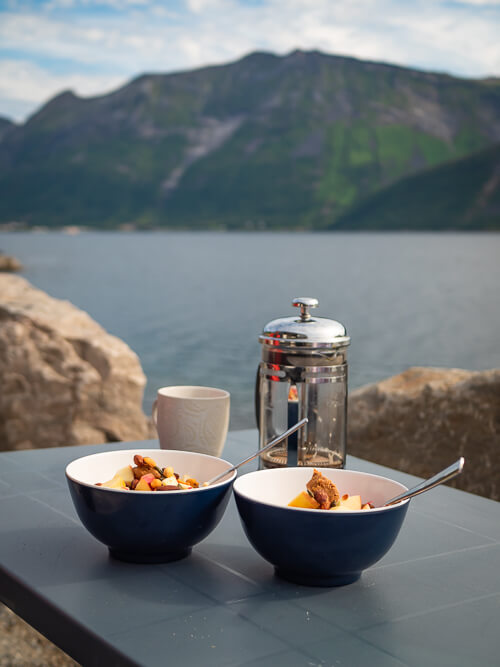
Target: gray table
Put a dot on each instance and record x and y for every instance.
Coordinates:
(433, 600)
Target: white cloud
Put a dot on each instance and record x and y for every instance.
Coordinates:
(24, 83)
(479, 3)
(147, 35)
(199, 6)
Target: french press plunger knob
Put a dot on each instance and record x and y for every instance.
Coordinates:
(304, 303)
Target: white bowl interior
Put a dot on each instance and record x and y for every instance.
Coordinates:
(102, 466)
(279, 486)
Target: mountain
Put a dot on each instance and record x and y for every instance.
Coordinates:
(5, 125)
(265, 142)
(462, 194)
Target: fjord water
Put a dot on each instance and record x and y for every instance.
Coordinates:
(192, 304)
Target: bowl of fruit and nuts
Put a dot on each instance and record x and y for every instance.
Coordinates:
(149, 505)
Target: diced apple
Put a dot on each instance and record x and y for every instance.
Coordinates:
(305, 501)
(348, 504)
(366, 506)
(144, 483)
(352, 502)
(126, 474)
(116, 482)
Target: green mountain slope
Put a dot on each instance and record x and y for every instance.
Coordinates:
(460, 195)
(266, 142)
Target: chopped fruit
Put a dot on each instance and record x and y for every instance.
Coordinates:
(146, 475)
(305, 501)
(116, 483)
(126, 474)
(323, 494)
(144, 483)
(348, 504)
(353, 502)
(142, 486)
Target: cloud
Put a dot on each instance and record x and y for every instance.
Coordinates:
(135, 36)
(479, 3)
(26, 85)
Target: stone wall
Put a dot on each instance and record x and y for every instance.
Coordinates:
(425, 418)
(63, 379)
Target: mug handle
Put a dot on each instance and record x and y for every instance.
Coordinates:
(154, 411)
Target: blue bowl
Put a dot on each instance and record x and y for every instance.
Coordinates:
(149, 526)
(318, 547)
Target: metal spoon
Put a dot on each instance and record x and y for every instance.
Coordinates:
(276, 440)
(441, 477)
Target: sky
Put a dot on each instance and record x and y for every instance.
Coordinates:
(95, 46)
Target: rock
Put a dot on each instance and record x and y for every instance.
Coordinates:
(63, 379)
(425, 418)
(21, 645)
(8, 263)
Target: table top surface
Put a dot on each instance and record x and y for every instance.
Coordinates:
(434, 599)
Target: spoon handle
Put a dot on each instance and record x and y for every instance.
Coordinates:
(441, 477)
(274, 442)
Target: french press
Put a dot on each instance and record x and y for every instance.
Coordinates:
(303, 373)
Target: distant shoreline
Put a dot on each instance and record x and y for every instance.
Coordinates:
(76, 230)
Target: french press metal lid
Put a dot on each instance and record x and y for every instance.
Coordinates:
(303, 373)
(305, 331)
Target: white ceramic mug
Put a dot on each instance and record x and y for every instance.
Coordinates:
(192, 419)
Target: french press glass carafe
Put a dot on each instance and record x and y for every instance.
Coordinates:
(303, 373)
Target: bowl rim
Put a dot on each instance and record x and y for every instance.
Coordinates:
(319, 512)
(149, 452)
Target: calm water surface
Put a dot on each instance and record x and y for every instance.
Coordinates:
(191, 304)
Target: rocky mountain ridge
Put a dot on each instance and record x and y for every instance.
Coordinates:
(264, 142)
